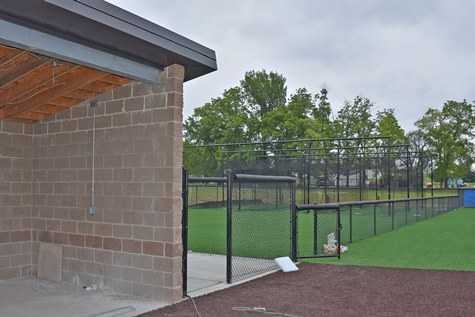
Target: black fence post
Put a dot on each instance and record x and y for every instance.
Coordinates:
(407, 211)
(351, 223)
(391, 210)
(184, 230)
(374, 219)
(294, 224)
(315, 232)
(339, 231)
(229, 226)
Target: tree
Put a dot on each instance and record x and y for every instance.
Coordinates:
(448, 134)
(386, 124)
(290, 121)
(354, 120)
(321, 114)
(223, 120)
(263, 92)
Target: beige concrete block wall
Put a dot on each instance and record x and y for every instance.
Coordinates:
(132, 245)
(15, 199)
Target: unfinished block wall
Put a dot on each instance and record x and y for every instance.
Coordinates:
(15, 199)
(132, 245)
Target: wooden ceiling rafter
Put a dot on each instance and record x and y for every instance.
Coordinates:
(33, 87)
(26, 87)
(83, 77)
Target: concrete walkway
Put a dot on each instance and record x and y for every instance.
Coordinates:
(33, 297)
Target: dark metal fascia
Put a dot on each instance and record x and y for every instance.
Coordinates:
(109, 28)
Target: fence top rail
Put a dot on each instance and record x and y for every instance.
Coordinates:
(386, 201)
(203, 179)
(319, 207)
(243, 178)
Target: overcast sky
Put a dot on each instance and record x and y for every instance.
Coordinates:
(407, 55)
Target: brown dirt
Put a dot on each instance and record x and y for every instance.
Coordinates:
(333, 290)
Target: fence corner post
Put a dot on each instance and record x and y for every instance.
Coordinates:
(229, 225)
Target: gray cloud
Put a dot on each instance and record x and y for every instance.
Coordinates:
(407, 55)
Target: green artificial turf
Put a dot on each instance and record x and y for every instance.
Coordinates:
(443, 242)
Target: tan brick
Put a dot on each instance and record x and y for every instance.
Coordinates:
(53, 225)
(103, 229)
(112, 244)
(45, 236)
(135, 103)
(93, 268)
(142, 261)
(103, 256)
(85, 254)
(60, 238)
(132, 217)
(69, 226)
(113, 216)
(130, 274)
(4, 237)
(132, 246)
(86, 228)
(153, 248)
(122, 231)
(175, 71)
(122, 259)
(143, 233)
(112, 271)
(77, 240)
(94, 241)
(142, 203)
(173, 249)
(152, 277)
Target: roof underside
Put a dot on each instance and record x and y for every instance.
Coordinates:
(33, 87)
(57, 53)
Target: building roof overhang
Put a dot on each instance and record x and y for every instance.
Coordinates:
(56, 53)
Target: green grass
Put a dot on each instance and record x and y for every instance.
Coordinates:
(264, 231)
(444, 242)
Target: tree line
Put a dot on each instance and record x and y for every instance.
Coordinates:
(260, 110)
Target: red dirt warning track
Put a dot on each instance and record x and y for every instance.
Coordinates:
(334, 290)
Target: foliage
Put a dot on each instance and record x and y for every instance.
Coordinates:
(448, 134)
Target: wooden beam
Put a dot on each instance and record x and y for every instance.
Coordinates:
(23, 69)
(33, 83)
(69, 82)
(116, 80)
(35, 41)
(65, 102)
(9, 56)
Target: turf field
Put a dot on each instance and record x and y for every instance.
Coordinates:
(263, 231)
(443, 242)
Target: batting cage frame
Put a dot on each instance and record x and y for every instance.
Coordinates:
(327, 170)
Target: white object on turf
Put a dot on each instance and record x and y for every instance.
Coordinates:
(286, 264)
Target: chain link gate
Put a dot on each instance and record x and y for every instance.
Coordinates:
(317, 231)
(259, 223)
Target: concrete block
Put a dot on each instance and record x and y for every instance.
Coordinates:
(49, 261)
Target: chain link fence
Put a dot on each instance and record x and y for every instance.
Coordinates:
(362, 220)
(317, 231)
(327, 170)
(260, 224)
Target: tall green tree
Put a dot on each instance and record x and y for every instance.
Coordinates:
(263, 92)
(449, 136)
(291, 121)
(386, 124)
(322, 116)
(354, 120)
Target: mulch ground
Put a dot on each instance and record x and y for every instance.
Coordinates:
(333, 290)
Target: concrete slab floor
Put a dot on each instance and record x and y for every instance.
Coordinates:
(30, 296)
(40, 298)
